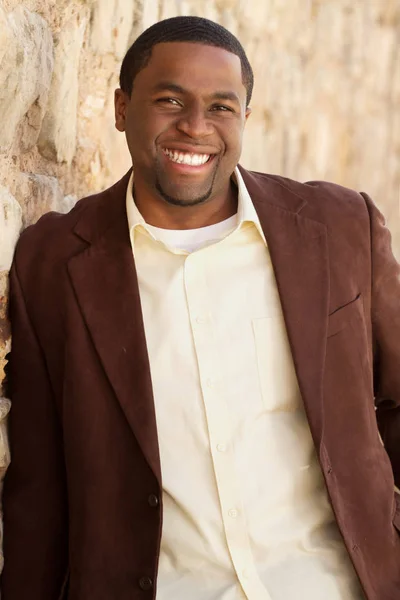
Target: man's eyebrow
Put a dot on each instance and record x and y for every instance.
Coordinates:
(174, 87)
(222, 95)
(170, 86)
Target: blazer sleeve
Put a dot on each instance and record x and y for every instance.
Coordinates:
(34, 494)
(385, 314)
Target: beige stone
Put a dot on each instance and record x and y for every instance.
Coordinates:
(57, 139)
(227, 19)
(176, 8)
(4, 324)
(150, 13)
(168, 9)
(146, 13)
(5, 405)
(67, 203)
(38, 194)
(111, 26)
(10, 226)
(26, 64)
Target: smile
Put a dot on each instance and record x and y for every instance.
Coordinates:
(187, 158)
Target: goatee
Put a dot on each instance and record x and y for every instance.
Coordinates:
(177, 202)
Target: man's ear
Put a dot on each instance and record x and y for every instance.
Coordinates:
(248, 113)
(120, 104)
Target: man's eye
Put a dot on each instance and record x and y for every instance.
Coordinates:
(222, 108)
(172, 101)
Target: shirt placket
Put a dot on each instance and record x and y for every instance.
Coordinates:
(219, 426)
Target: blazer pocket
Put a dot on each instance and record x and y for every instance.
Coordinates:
(339, 319)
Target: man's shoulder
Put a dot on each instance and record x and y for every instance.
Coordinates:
(44, 248)
(54, 231)
(54, 237)
(339, 208)
(313, 190)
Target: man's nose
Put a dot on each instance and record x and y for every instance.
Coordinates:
(195, 123)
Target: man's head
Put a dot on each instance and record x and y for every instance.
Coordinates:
(185, 88)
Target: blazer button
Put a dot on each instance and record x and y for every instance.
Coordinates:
(153, 501)
(145, 583)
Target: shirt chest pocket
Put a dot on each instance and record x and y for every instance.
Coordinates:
(276, 373)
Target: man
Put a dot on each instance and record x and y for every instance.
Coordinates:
(197, 357)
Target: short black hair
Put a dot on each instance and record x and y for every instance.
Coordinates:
(182, 29)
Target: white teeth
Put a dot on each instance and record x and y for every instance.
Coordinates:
(194, 160)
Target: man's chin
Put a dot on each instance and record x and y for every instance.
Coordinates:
(190, 198)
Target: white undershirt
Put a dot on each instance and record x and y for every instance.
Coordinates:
(193, 239)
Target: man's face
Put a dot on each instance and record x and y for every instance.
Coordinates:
(184, 122)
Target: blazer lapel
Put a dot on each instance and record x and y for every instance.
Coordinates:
(298, 248)
(105, 282)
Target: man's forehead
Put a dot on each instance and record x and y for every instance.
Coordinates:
(188, 64)
(177, 54)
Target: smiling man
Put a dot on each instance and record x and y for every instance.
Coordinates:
(204, 374)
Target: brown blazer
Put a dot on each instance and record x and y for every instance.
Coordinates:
(82, 497)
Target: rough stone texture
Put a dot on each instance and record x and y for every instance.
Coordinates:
(111, 26)
(4, 324)
(57, 140)
(10, 226)
(26, 64)
(4, 456)
(325, 105)
(40, 193)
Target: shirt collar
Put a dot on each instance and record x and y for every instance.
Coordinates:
(246, 211)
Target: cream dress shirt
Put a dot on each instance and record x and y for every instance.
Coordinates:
(246, 513)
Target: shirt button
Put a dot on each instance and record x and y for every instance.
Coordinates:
(221, 447)
(211, 383)
(145, 583)
(233, 513)
(153, 501)
(201, 320)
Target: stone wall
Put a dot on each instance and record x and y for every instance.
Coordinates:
(326, 100)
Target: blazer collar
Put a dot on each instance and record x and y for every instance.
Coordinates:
(274, 191)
